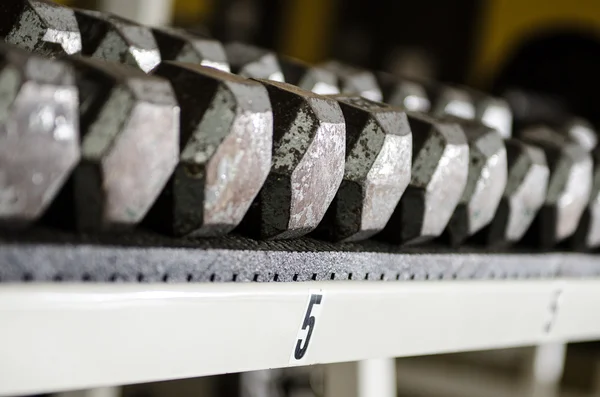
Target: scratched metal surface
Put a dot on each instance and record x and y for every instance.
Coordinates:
(51, 256)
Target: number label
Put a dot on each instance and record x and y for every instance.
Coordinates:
(308, 325)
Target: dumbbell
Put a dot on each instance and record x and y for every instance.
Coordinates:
(587, 235)
(131, 42)
(39, 133)
(95, 44)
(533, 111)
(439, 152)
(40, 26)
(554, 193)
(129, 147)
(258, 63)
(226, 139)
(446, 178)
(219, 172)
(512, 208)
(529, 172)
(376, 172)
(351, 80)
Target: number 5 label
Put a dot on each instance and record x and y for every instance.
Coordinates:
(307, 327)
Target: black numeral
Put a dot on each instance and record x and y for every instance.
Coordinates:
(309, 322)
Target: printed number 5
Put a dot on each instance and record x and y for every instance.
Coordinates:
(309, 322)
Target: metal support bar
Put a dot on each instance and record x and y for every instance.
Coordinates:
(546, 369)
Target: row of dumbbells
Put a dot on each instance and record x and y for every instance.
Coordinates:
(149, 126)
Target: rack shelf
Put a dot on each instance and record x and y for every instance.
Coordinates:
(128, 333)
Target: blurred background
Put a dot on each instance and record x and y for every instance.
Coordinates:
(547, 46)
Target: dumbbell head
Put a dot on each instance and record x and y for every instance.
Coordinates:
(587, 235)
(440, 166)
(311, 78)
(307, 165)
(493, 112)
(525, 193)
(525, 175)
(565, 140)
(450, 101)
(468, 104)
(130, 143)
(112, 38)
(254, 62)
(226, 139)
(377, 170)
(39, 133)
(40, 26)
(532, 110)
(355, 81)
(581, 132)
(485, 184)
(569, 186)
(411, 95)
(181, 45)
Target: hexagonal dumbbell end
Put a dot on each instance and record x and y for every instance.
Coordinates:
(440, 166)
(411, 95)
(181, 45)
(130, 143)
(525, 193)
(485, 184)
(311, 78)
(39, 133)
(451, 101)
(355, 81)
(468, 104)
(377, 171)
(587, 235)
(581, 132)
(40, 26)
(574, 129)
(250, 61)
(569, 186)
(308, 164)
(112, 38)
(226, 139)
(493, 112)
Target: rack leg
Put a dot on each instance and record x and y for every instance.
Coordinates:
(545, 370)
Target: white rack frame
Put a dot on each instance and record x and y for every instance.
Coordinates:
(75, 336)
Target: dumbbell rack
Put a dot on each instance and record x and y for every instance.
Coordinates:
(145, 308)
